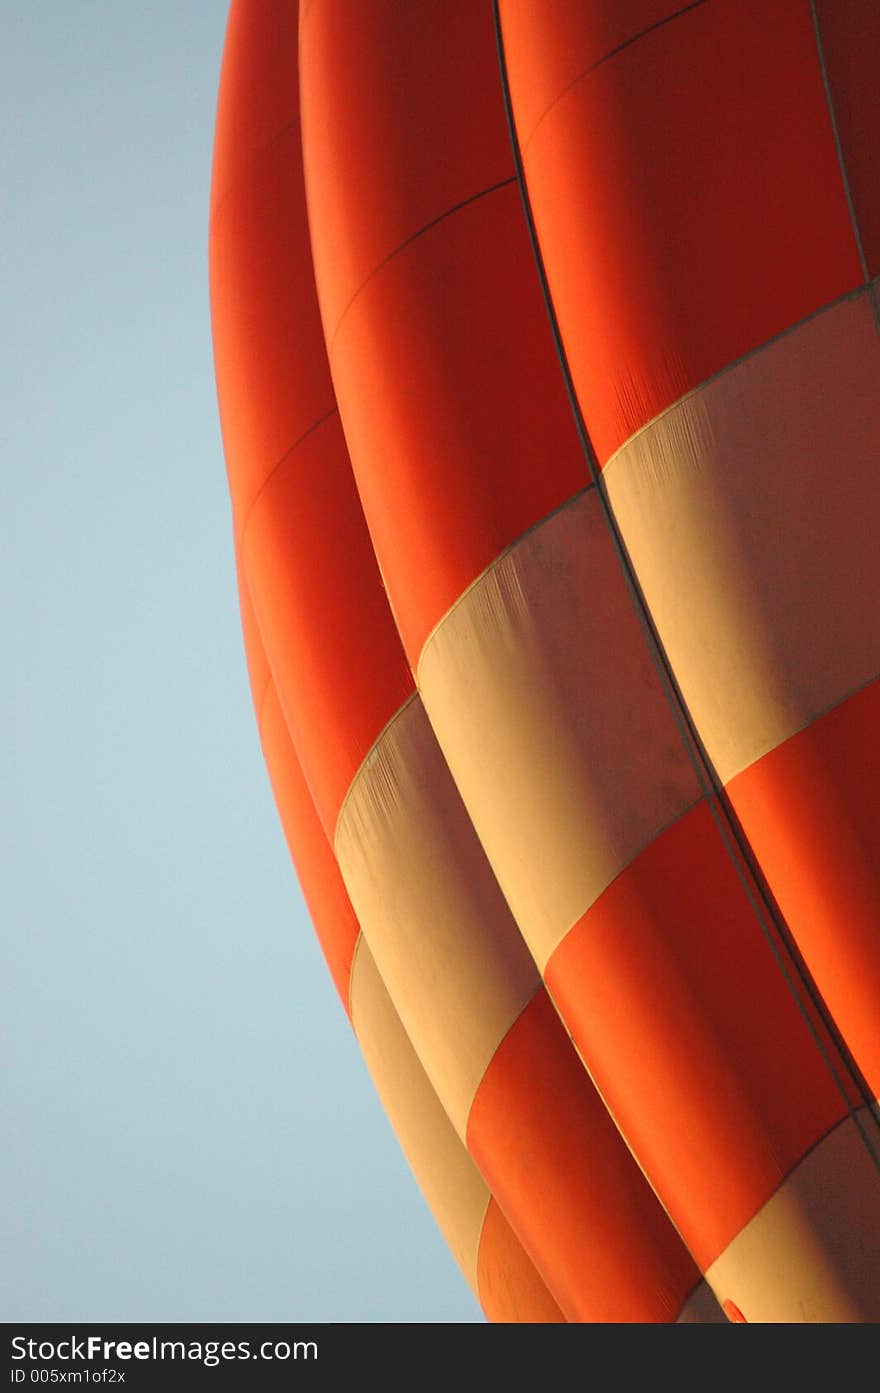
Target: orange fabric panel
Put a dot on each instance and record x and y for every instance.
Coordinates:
(323, 615)
(510, 1289)
(551, 45)
(691, 1035)
(399, 126)
(318, 874)
(850, 31)
(458, 426)
(254, 102)
(305, 552)
(567, 1172)
(688, 202)
(811, 810)
(272, 378)
(271, 383)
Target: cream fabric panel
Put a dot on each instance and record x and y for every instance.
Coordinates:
(751, 512)
(542, 692)
(451, 956)
(450, 1182)
(809, 1253)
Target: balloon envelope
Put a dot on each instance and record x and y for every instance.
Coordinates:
(556, 509)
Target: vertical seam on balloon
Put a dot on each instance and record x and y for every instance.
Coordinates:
(606, 57)
(693, 1295)
(841, 160)
(733, 838)
(610, 1110)
(407, 241)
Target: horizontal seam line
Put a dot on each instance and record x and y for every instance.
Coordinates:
(598, 63)
(248, 173)
(276, 466)
(699, 798)
(359, 772)
(810, 721)
(790, 1169)
(413, 237)
(496, 560)
(539, 988)
(863, 289)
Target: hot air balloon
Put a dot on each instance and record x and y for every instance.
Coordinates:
(538, 332)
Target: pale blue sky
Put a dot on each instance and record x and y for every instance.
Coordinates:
(191, 1133)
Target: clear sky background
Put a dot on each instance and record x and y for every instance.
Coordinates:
(190, 1132)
